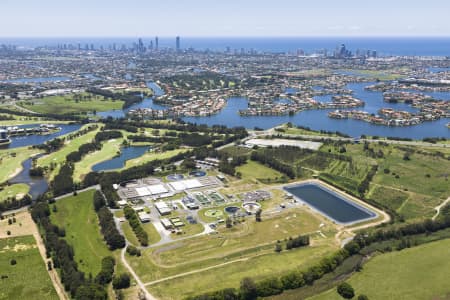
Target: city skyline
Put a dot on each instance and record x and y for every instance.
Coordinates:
(201, 18)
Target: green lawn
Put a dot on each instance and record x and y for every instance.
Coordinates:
(394, 199)
(258, 267)
(70, 104)
(11, 161)
(12, 191)
(57, 158)
(253, 169)
(412, 173)
(419, 273)
(108, 151)
(28, 279)
(77, 215)
(149, 156)
(153, 235)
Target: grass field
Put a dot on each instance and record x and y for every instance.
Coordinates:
(256, 170)
(108, 151)
(15, 191)
(300, 131)
(11, 161)
(149, 156)
(230, 275)
(28, 279)
(418, 273)
(383, 75)
(57, 158)
(423, 177)
(249, 247)
(71, 104)
(76, 214)
(394, 199)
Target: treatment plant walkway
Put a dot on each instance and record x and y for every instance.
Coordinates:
(438, 208)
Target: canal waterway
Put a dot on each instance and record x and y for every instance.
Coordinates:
(316, 119)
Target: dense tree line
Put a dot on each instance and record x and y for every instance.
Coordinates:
(62, 254)
(300, 241)
(13, 203)
(272, 162)
(121, 281)
(107, 270)
(57, 143)
(60, 117)
(107, 135)
(129, 98)
(364, 185)
(195, 139)
(36, 171)
(6, 117)
(133, 251)
(63, 181)
(51, 146)
(180, 125)
(108, 227)
(121, 126)
(228, 165)
(84, 149)
(149, 139)
(135, 224)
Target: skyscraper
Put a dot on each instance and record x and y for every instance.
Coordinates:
(177, 43)
(140, 46)
(156, 43)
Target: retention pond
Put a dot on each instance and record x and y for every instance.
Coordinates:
(330, 203)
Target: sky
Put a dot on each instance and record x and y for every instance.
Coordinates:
(215, 18)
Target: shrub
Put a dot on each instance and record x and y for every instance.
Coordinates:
(121, 281)
(346, 290)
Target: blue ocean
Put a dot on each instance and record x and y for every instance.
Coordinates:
(385, 46)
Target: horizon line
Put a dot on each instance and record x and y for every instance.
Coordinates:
(228, 36)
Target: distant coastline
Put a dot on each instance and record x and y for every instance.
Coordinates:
(385, 46)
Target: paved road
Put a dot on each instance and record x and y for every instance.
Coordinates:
(92, 187)
(254, 134)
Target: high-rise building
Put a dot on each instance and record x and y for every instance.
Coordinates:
(156, 43)
(177, 40)
(140, 46)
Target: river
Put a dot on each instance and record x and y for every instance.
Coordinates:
(38, 185)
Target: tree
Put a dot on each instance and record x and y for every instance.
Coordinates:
(248, 289)
(278, 247)
(228, 222)
(346, 290)
(258, 215)
(13, 262)
(91, 291)
(363, 297)
(189, 164)
(121, 281)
